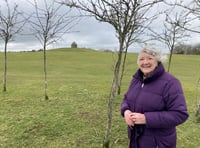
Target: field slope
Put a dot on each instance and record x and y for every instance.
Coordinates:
(79, 81)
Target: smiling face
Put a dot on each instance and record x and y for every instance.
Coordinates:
(147, 63)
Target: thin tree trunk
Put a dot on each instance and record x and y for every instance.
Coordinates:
(5, 67)
(45, 74)
(170, 59)
(122, 73)
(113, 93)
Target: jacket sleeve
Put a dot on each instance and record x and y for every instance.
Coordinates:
(125, 105)
(175, 111)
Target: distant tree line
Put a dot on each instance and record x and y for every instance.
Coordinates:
(187, 49)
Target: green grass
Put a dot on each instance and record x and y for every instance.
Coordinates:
(79, 82)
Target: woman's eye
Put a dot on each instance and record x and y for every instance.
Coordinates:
(141, 59)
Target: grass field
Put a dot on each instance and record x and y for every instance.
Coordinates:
(79, 82)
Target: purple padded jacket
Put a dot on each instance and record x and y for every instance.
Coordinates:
(160, 98)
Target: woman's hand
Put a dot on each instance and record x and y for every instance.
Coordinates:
(138, 118)
(128, 117)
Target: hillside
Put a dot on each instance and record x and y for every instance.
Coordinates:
(79, 82)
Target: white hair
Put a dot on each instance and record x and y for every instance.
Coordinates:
(157, 54)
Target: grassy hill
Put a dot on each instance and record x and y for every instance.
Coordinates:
(79, 81)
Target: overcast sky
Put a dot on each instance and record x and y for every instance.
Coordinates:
(88, 33)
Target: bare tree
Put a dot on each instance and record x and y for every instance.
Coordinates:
(11, 23)
(128, 18)
(49, 24)
(172, 33)
(193, 7)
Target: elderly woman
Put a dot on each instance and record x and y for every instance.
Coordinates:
(154, 104)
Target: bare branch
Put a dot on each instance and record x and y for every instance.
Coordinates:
(48, 24)
(11, 23)
(193, 8)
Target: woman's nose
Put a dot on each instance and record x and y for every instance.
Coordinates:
(146, 61)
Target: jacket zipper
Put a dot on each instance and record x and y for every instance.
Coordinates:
(142, 84)
(136, 141)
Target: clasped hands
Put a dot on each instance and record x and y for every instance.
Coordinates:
(133, 118)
